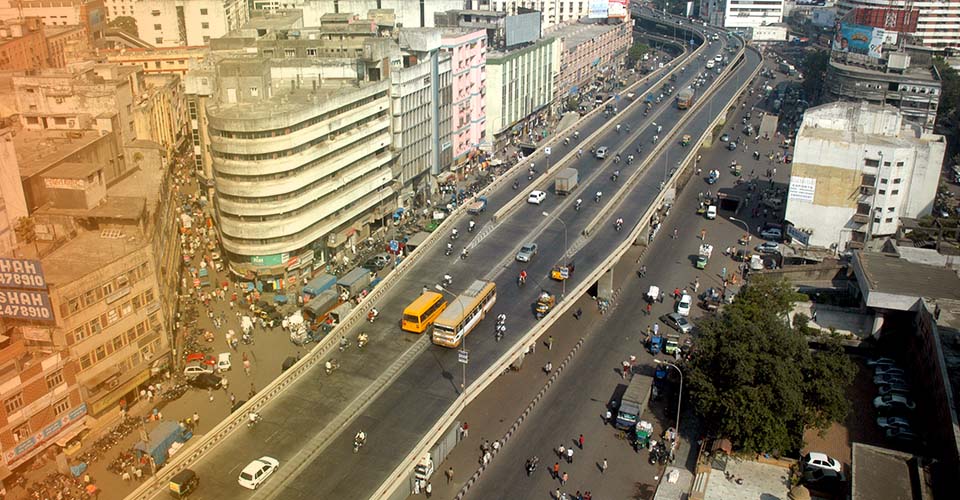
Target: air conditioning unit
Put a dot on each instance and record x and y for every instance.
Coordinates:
(113, 383)
(59, 100)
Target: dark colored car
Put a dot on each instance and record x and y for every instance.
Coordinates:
(825, 480)
(206, 381)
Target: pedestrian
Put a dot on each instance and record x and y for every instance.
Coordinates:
(464, 430)
(580, 441)
(224, 383)
(696, 284)
(578, 313)
(233, 399)
(556, 494)
(643, 270)
(703, 234)
(555, 471)
(246, 366)
(428, 489)
(564, 478)
(138, 473)
(449, 475)
(561, 451)
(210, 394)
(550, 343)
(86, 479)
(569, 455)
(649, 309)
(577, 495)
(603, 466)
(125, 476)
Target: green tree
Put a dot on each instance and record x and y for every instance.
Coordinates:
(125, 24)
(754, 379)
(814, 68)
(675, 7)
(636, 53)
(949, 92)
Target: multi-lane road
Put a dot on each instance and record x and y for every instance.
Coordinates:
(400, 384)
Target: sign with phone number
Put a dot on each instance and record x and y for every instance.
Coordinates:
(25, 304)
(21, 273)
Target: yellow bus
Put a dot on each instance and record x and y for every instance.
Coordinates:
(463, 314)
(419, 315)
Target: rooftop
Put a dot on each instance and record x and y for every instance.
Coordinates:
(917, 72)
(38, 149)
(89, 251)
(888, 281)
(71, 170)
(863, 123)
(581, 31)
(285, 102)
(881, 473)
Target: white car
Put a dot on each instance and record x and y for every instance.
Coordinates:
(256, 472)
(718, 57)
(683, 306)
(601, 152)
(536, 197)
(223, 362)
(194, 369)
(712, 212)
(819, 460)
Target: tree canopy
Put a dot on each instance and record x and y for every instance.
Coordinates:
(949, 92)
(814, 68)
(636, 52)
(755, 381)
(125, 24)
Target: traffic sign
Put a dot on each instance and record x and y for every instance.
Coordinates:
(464, 356)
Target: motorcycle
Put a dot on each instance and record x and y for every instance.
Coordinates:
(576, 206)
(615, 176)
(362, 340)
(566, 141)
(448, 251)
(331, 366)
(618, 226)
(470, 226)
(500, 330)
(596, 197)
(358, 442)
(454, 235)
(464, 254)
(253, 419)
(532, 465)
(372, 315)
(343, 343)
(521, 280)
(516, 184)
(247, 338)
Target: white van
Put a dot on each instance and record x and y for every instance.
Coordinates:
(712, 212)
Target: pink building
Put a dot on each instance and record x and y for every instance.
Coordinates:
(468, 52)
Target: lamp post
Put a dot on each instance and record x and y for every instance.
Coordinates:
(679, 399)
(745, 226)
(463, 343)
(563, 283)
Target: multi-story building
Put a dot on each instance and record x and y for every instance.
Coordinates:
(160, 114)
(23, 44)
(417, 14)
(86, 96)
(300, 140)
(937, 26)
(468, 58)
(66, 43)
(177, 23)
(520, 82)
(857, 169)
(751, 13)
(13, 205)
(421, 96)
(586, 46)
(42, 404)
(160, 60)
(90, 14)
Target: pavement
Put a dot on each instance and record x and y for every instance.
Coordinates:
(398, 386)
(757, 480)
(574, 405)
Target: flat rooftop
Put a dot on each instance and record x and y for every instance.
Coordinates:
(286, 102)
(71, 170)
(585, 29)
(889, 274)
(880, 473)
(89, 251)
(37, 150)
(918, 72)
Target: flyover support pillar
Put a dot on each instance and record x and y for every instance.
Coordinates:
(605, 286)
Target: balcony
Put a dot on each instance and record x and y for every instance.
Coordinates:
(861, 218)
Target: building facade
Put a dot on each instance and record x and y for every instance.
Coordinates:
(90, 14)
(520, 82)
(468, 58)
(938, 23)
(66, 43)
(178, 23)
(408, 14)
(160, 60)
(752, 13)
(857, 169)
(23, 44)
(586, 47)
(13, 205)
(554, 12)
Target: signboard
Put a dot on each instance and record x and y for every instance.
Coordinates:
(15, 456)
(859, 39)
(899, 20)
(463, 356)
(802, 189)
(276, 259)
(598, 9)
(817, 3)
(57, 183)
(21, 273)
(798, 236)
(522, 28)
(25, 304)
(617, 9)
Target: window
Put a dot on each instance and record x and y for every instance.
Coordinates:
(118, 343)
(205, 26)
(289, 52)
(155, 13)
(897, 180)
(158, 40)
(891, 209)
(203, 12)
(23, 432)
(100, 353)
(895, 191)
(157, 27)
(889, 220)
(254, 92)
(85, 361)
(206, 39)
(148, 296)
(883, 181)
(32, 120)
(311, 52)
(95, 326)
(14, 403)
(54, 379)
(882, 191)
(59, 120)
(61, 406)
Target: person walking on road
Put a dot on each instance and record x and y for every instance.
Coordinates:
(555, 471)
(569, 455)
(428, 489)
(580, 441)
(449, 475)
(561, 451)
(564, 478)
(603, 466)
(550, 343)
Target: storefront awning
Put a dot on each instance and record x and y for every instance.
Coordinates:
(99, 378)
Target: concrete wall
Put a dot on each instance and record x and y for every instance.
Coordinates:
(519, 83)
(468, 60)
(409, 14)
(752, 13)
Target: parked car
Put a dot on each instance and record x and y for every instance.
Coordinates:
(536, 197)
(206, 381)
(199, 357)
(901, 389)
(194, 369)
(826, 480)
(817, 460)
(904, 434)
(768, 247)
(889, 380)
(377, 262)
(256, 472)
(881, 362)
(772, 234)
(223, 362)
(678, 322)
(527, 252)
(893, 402)
(890, 370)
(892, 422)
(712, 212)
(683, 306)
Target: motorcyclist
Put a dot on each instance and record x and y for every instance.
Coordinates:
(362, 339)
(616, 174)
(464, 253)
(447, 279)
(471, 225)
(502, 318)
(449, 248)
(577, 203)
(372, 315)
(343, 342)
(523, 276)
(618, 128)
(597, 196)
(359, 439)
(331, 365)
(630, 159)
(619, 221)
(454, 233)
(616, 159)
(253, 417)
(516, 184)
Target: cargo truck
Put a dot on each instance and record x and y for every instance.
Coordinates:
(634, 402)
(566, 181)
(685, 98)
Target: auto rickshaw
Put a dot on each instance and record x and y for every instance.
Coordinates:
(545, 303)
(736, 170)
(685, 140)
(704, 205)
(183, 483)
(561, 273)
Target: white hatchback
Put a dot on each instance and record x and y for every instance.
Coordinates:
(683, 307)
(256, 472)
(536, 197)
(223, 362)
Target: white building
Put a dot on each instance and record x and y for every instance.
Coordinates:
(175, 23)
(938, 25)
(554, 11)
(520, 83)
(752, 13)
(410, 13)
(857, 169)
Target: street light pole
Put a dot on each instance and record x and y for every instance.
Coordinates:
(745, 226)
(563, 283)
(679, 399)
(463, 342)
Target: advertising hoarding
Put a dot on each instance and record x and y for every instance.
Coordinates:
(522, 28)
(599, 9)
(30, 305)
(21, 273)
(900, 20)
(617, 9)
(859, 39)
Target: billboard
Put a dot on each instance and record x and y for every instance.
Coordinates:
(617, 9)
(815, 3)
(900, 20)
(25, 304)
(599, 9)
(21, 273)
(522, 28)
(859, 39)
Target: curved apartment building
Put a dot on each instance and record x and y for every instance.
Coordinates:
(298, 175)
